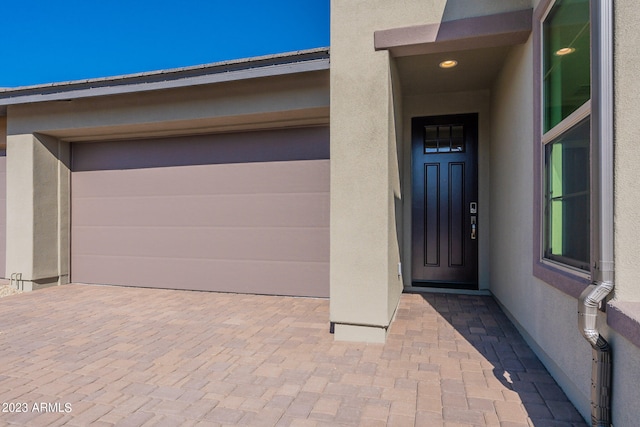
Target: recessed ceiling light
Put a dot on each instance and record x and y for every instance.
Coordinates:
(565, 51)
(449, 63)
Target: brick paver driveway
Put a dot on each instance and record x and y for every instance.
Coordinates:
(101, 355)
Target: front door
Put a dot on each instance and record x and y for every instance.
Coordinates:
(445, 228)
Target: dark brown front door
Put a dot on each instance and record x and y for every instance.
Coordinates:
(445, 194)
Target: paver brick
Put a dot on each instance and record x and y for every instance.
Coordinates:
(199, 409)
(451, 400)
(142, 357)
(375, 412)
(348, 415)
(463, 416)
(397, 420)
(563, 411)
(89, 415)
(369, 422)
(510, 411)
(135, 420)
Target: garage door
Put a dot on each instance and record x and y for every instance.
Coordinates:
(245, 212)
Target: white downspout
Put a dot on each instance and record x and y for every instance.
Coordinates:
(602, 171)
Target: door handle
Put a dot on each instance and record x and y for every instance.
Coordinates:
(474, 228)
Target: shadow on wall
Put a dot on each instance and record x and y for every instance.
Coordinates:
(242, 147)
(461, 9)
(479, 321)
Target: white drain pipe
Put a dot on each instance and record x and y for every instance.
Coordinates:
(601, 368)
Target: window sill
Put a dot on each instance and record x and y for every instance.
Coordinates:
(624, 318)
(564, 280)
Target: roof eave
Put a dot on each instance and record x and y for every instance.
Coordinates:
(227, 71)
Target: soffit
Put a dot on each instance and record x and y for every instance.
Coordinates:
(480, 44)
(476, 70)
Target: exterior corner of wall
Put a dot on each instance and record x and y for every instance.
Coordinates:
(45, 206)
(64, 211)
(396, 195)
(33, 207)
(19, 181)
(362, 258)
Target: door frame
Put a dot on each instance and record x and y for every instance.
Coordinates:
(414, 283)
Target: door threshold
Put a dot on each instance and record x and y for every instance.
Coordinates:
(428, 290)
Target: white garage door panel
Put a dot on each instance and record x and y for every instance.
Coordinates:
(260, 244)
(266, 277)
(276, 210)
(235, 213)
(275, 177)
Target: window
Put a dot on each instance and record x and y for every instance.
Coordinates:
(567, 233)
(443, 139)
(566, 130)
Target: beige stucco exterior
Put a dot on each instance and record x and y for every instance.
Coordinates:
(544, 315)
(627, 153)
(372, 97)
(365, 223)
(251, 104)
(366, 173)
(626, 375)
(37, 211)
(38, 149)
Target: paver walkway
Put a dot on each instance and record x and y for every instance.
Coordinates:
(98, 355)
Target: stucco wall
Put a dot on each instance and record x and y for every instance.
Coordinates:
(292, 100)
(38, 150)
(37, 209)
(395, 223)
(626, 377)
(627, 150)
(626, 355)
(364, 281)
(546, 316)
(512, 174)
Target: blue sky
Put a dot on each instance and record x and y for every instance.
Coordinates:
(48, 41)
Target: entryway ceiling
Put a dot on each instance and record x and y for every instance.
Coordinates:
(476, 69)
